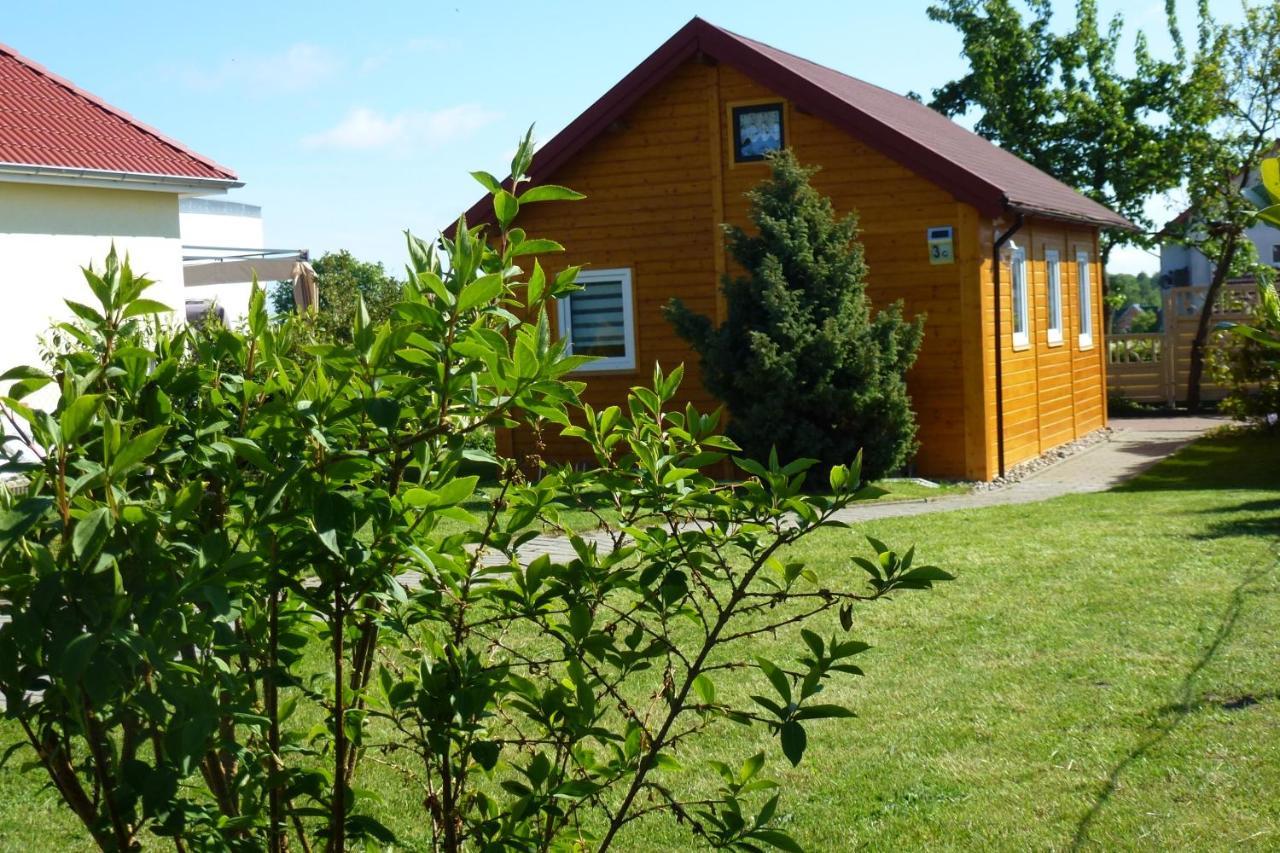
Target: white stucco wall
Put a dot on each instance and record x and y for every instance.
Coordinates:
(47, 233)
(232, 226)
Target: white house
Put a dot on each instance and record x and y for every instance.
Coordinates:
(1182, 266)
(76, 176)
(213, 232)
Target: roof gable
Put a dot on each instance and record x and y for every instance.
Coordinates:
(973, 169)
(47, 121)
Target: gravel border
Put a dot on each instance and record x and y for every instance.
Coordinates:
(1023, 470)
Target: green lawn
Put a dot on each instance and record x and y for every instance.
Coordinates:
(1104, 673)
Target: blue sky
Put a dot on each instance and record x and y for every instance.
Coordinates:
(351, 122)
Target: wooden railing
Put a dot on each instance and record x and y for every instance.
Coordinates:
(1152, 367)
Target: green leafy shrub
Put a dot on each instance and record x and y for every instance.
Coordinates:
(243, 572)
(802, 361)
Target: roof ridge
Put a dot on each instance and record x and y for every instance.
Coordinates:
(71, 87)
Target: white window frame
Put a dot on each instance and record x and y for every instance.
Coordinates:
(1018, 301)
(565, 315)
(1053, 284)
(1084, 287)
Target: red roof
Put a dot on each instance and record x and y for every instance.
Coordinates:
(48, 121)
(973, 169)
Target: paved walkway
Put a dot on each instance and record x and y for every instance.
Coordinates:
(1134, 446)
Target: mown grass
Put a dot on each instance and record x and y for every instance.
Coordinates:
(1102, 674)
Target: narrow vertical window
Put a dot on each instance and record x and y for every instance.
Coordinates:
(1019, 304)
(1054, 280)
(597, 320)
(1084, 275)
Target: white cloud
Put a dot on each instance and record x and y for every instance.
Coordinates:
(410, 49)
(364, 129)
(299, 67)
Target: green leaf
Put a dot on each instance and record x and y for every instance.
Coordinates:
(488, 181)
(777, 678)
(249, 451)
(794, 741)
(705, 689)
(84, 312)
(91, 532)
(24, 372)
(482, 290)
(137, 449)
(15, 522)
(536, 247)
(485, 752)
(778, 839)
(139, 307)
(77, 416)
(457, 490)
(505, 207)
(820, 712)
(549, 192)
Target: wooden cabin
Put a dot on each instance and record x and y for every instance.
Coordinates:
(1002, 258)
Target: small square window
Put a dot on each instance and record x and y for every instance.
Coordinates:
(757, 130)
(1275, 254)
(597, 320)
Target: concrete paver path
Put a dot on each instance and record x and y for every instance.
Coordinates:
(1134, 446)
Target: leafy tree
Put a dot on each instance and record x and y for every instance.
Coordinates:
(1224, 155)
(244, 570)
(342, 282)
(1059, 101)
(1124, 289)
(802, 361)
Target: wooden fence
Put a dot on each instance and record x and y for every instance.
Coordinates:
(1153, 367)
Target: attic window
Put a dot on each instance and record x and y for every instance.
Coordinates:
(757, 130)
(598, 321)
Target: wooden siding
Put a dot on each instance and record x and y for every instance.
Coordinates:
(660, 182)
(1053, 393)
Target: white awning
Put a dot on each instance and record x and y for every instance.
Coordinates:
(239, 270)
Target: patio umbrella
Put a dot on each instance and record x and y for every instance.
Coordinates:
(306, 296)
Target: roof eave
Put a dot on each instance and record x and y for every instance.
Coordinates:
(110, 179)
(1108, 219)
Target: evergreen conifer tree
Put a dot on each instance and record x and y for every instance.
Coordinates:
(802, 362)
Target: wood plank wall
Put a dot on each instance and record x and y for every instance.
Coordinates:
(1053, 393)
(661, 181)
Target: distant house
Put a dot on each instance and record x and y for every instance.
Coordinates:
(1001, 257)
(76, 175)
(1184, 266)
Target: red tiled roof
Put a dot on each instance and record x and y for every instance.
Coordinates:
(48, 121)
(973, 169)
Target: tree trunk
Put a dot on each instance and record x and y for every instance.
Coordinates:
(1199, 343)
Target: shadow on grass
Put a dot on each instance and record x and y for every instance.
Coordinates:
(1171, 716)
(1230, 460)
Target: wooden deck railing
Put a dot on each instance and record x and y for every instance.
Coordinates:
(1152, 367)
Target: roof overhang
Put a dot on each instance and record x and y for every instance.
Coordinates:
(1115, 221)
(107, 179)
